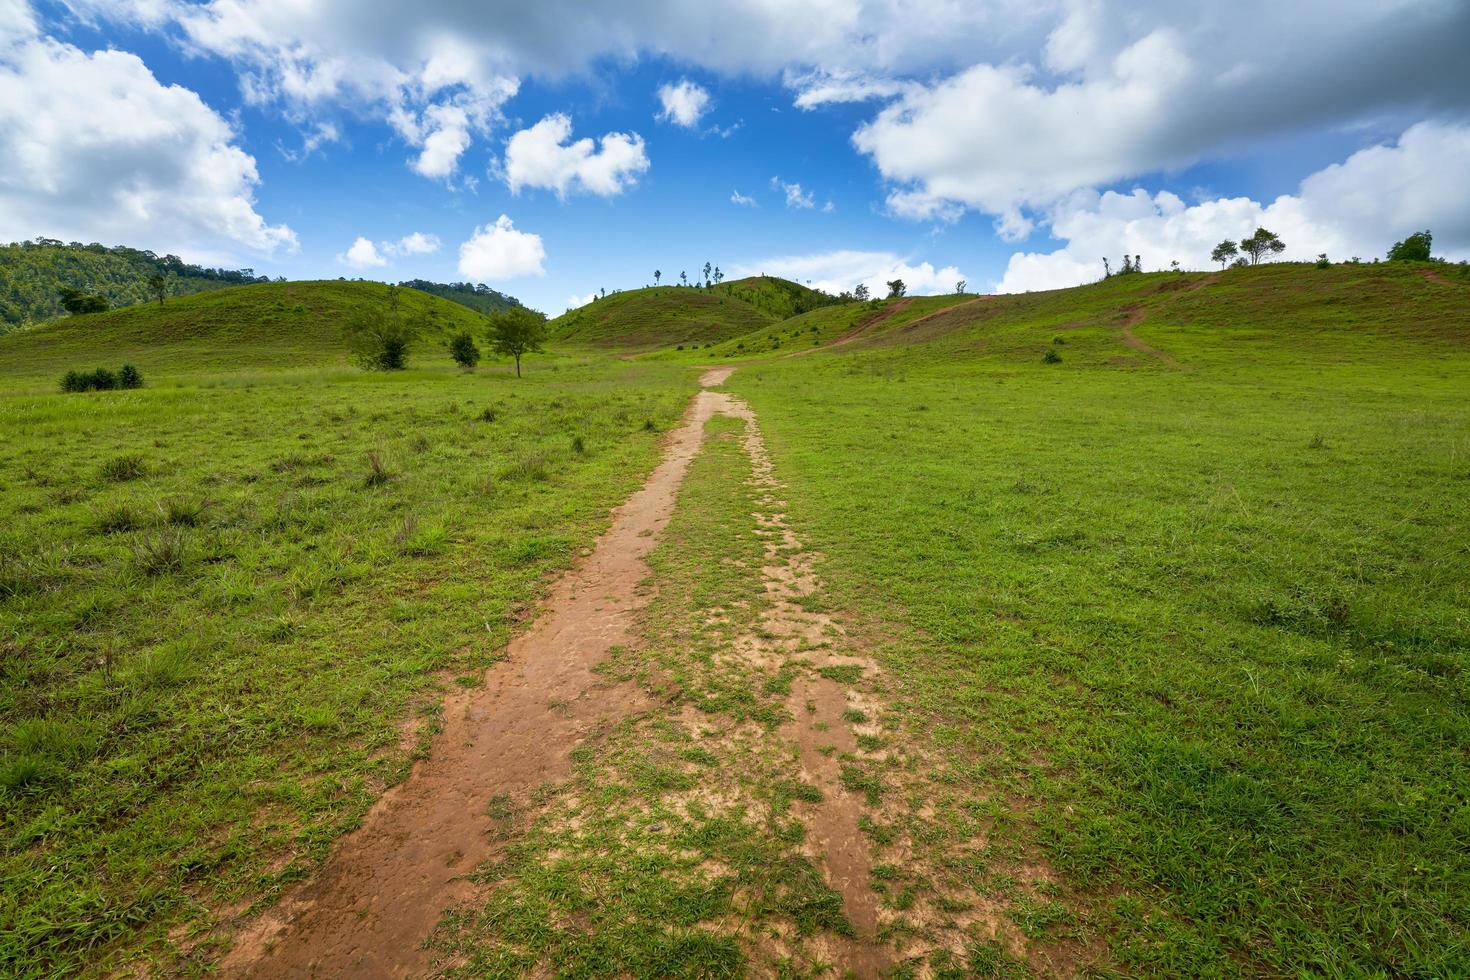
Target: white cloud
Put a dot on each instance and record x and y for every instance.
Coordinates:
(683, 104)
(574, 301)
(795, 196)
(362, 255)
(498, 251)
(834, 272)
(542, 157)
(367, 254)
(746, 202)
(94, 148)
(824, 87)
(1156, 90)
(418, 243)
(1358, 207)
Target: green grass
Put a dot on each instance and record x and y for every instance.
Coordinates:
(265, 326)
(219, 606)
(1203, 627)
(781, 298)
(664, 316)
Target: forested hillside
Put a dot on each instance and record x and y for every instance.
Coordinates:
(34, 273)
(478, 297)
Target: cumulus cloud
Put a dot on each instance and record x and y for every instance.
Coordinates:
(743, 200)
(542, 157)
(1117, 100)
(834, 272)
(94, 148)
(418, 243)
(362, 255)
(683, 104)
(498, 251)
(574, 301)
(1357, 207)
(366, 254)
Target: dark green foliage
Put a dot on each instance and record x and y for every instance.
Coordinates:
(383, 334)
(33, 275)
(896, 288)
(780, 298)
(1262, 244)
(462, 348)
(517, 332)
(1225, 253)
(474, 296)
(77, 303)
(101, 379)
(1051, 356)
(1415, 248)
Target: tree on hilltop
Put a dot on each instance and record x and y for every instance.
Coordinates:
(517, 332)
(158, 286)
(1225, 253)
(1262, 244)
(656, 276)
(1415, 248)
(896, 288)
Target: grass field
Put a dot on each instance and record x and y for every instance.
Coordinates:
(228, 610)
(1203, 628)
(1120, 630)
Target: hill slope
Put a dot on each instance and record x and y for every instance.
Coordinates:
(477, 296)
(265, 325)
(660, 316)
(32, 275)
(781, 298)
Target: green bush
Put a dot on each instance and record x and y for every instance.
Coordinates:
(1051, 357)
(462, 348)
(101, 379)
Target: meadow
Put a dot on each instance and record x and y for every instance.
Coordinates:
(1119, 630)
(182, 572)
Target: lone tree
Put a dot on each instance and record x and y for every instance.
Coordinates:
(1415, 248)
(684, 278)
(860, 292)
(382, 335)
(462, 348)
(657, 275)
(158, 286)
(516, 332)
(959, 287)
(896, 288)
(1225, 253)
(707, 270)
(1262, 244)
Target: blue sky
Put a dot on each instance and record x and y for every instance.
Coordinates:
(1010, 149)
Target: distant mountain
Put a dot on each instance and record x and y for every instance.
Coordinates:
(477, 296)
(33, 274)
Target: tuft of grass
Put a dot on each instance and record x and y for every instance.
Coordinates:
(120, 469)
(377, 471)
(161, 552)
(182, 512)
(118, 518)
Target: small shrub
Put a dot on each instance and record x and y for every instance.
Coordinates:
(1059, 340)
(462, 348)
(160, 553)
(73, 381)
(129, 377)
(1051, 357)
(579, 445)
(648, 425)
(103, 380)
(488, 415)
(121, 468)
(377, 473)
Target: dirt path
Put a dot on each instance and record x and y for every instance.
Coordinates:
(819, 727)
(1134, 316)
(862, 329)
(368, 910)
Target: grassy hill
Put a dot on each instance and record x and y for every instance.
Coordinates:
(264, 325)
(660, 316)
(32, 275)
(476, 296)
(781, 298)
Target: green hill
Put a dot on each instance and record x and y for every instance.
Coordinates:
(781, 298)
(659, 316)
(477, 296)
(264, 325)
(32, 275)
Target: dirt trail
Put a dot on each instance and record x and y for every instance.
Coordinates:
(816, 707)
(862, 329)
(1134, 316)
(368, 910)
